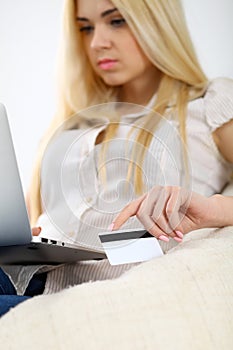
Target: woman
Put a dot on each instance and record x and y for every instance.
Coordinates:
(132, 52)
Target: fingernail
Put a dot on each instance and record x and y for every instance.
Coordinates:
(164, 238)
(177, 239)
(110, 227)
(179, 234)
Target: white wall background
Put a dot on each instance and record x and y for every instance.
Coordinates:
(29, 32)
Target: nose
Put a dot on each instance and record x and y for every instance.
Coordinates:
(100, 39)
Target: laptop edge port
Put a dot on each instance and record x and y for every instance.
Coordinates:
(53, 242)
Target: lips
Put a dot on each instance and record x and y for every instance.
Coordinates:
(107, 63)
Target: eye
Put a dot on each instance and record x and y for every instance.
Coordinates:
(86, 29)
(117, 22)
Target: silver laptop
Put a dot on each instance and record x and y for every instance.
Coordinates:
(17, 245)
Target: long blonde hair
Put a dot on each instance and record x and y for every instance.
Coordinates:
(160, 29)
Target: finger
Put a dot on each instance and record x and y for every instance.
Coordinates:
(156, 231)
(145, 211)
(175, 208)
(159, 211)
(172, 211)
(36, 231)
(130, 210)
(166, 212)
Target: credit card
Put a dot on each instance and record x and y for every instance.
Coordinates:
(130, 246)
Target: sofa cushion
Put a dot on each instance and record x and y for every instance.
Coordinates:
(182, 300)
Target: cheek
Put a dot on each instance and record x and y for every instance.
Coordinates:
(87, 49)
(131, 48)
(138, 57)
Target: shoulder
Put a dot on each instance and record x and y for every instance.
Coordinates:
(220, 84)
(218, 102)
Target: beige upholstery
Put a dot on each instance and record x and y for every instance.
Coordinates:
(183, 300)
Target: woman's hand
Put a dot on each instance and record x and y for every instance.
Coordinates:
(36, 231)
(171, 212)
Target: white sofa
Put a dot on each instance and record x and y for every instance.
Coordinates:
(183, 301)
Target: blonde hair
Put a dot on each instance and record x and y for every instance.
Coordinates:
(160, 29)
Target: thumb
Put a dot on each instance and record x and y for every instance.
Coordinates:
(36, 231)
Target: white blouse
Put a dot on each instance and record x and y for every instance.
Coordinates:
(78, 204)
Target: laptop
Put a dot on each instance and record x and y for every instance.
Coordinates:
(17, 245)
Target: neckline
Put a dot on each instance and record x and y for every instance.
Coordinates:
(144, 109)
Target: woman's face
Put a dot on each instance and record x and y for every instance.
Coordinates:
(110, 46)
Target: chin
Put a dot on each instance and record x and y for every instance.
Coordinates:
(113, 80)
(112, 84)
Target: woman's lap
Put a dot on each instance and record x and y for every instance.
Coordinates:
(6, 287)
(8, 296)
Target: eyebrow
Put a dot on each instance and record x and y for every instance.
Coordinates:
(108, 12)
(103, 14)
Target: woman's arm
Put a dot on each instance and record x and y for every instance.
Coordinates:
(164, 211)
(35, 230)
(224, 205)
(223, 138)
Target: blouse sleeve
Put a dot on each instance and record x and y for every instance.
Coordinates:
(218, 102)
